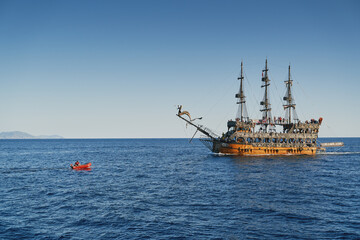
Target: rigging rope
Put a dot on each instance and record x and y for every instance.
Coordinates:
(255, 98)
(225, 94)
(307, 97)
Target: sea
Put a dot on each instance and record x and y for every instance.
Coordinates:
(173, 189)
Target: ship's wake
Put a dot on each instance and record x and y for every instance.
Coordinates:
(224, 154)
(338, 153)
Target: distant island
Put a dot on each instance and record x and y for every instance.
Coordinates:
(23, 135)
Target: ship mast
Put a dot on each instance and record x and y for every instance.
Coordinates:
(266, 102)
(290, 104)
(242, 111)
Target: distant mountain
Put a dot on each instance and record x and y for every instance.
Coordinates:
(15, 135)
(23, 135)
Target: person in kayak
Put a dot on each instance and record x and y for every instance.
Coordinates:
(76, 164)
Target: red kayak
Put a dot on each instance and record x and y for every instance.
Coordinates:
(85, 166)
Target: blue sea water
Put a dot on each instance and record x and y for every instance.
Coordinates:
(171, 189)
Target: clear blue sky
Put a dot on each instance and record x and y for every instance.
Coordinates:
(89, 69)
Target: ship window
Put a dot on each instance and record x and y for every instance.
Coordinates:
(240, 140)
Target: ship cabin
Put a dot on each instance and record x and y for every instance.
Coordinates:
(293, 135)
(238, 126)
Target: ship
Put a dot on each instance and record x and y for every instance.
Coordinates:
(269, 135)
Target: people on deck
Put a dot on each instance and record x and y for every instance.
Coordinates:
(76, 164)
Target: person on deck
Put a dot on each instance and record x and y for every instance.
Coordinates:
(76, 164)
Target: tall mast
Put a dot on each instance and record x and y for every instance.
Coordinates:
(242, 111)
(290, 104)
(266, 103)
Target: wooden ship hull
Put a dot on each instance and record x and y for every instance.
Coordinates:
(250, 150)
(252, 137)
